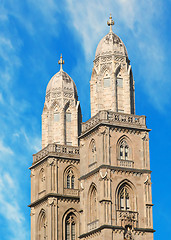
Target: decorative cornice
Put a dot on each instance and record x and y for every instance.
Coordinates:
(121, 229)
(117, 169)
(55, 196)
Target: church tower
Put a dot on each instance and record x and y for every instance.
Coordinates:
(115, 176)
(92, 180)
(55, 169)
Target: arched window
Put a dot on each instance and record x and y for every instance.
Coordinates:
(42, 226)
(70, 179)
(106, 80)
(93, 204)
(70, 227)
(56, 116)
(124, 198)
(68, 123)
(92, 152)
(124, 150)
(42, 180)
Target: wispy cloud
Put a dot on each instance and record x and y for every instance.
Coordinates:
(138, 22)
(5, 149)
(33, 143)
(9, 208)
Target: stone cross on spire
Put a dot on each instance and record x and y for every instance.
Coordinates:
(61, 62)
(110, 23)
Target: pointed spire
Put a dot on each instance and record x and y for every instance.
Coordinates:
(61, 62)
(110, 23)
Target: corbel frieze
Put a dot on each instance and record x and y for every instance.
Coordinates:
(119, 231)
(139, 233)
(68, 200)
(126, 172)
(125, 130)
(68, 161)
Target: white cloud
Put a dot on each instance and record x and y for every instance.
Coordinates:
(31, 142)
(5, 150)
(90, 17)
(137, 20)
(9, 208)
(31, 14)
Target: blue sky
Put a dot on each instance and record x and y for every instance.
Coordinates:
(32, 37)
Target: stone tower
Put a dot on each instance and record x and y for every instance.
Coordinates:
(92, 180)
(55, 169)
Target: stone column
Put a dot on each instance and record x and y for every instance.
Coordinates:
(52, 219)
(33, 224)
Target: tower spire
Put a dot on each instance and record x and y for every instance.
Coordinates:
(61, 62)
(110, 23)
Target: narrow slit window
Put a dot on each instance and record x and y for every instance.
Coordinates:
(121, 152)
(67, 231)
(68, 181)
(126, 153)
(120, 82)
(68, 117)
(73, 231)
(72, 182)
(106, 82)
(56, 117)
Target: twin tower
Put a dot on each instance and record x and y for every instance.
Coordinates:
(92, 180)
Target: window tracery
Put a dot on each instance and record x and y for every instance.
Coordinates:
(70, 227)
(70, 179)
(124, 150)
(124, 198)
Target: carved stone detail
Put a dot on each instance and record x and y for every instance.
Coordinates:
(127, 218)
(128, 233)
(51, 202)
(32, 212)
(51, 161)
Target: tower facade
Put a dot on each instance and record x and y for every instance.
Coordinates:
(92, 180)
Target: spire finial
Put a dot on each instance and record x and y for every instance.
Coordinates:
(110, 23)
(61, 62)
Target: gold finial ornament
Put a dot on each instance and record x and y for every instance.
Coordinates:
(110, 23)
(61, 62)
